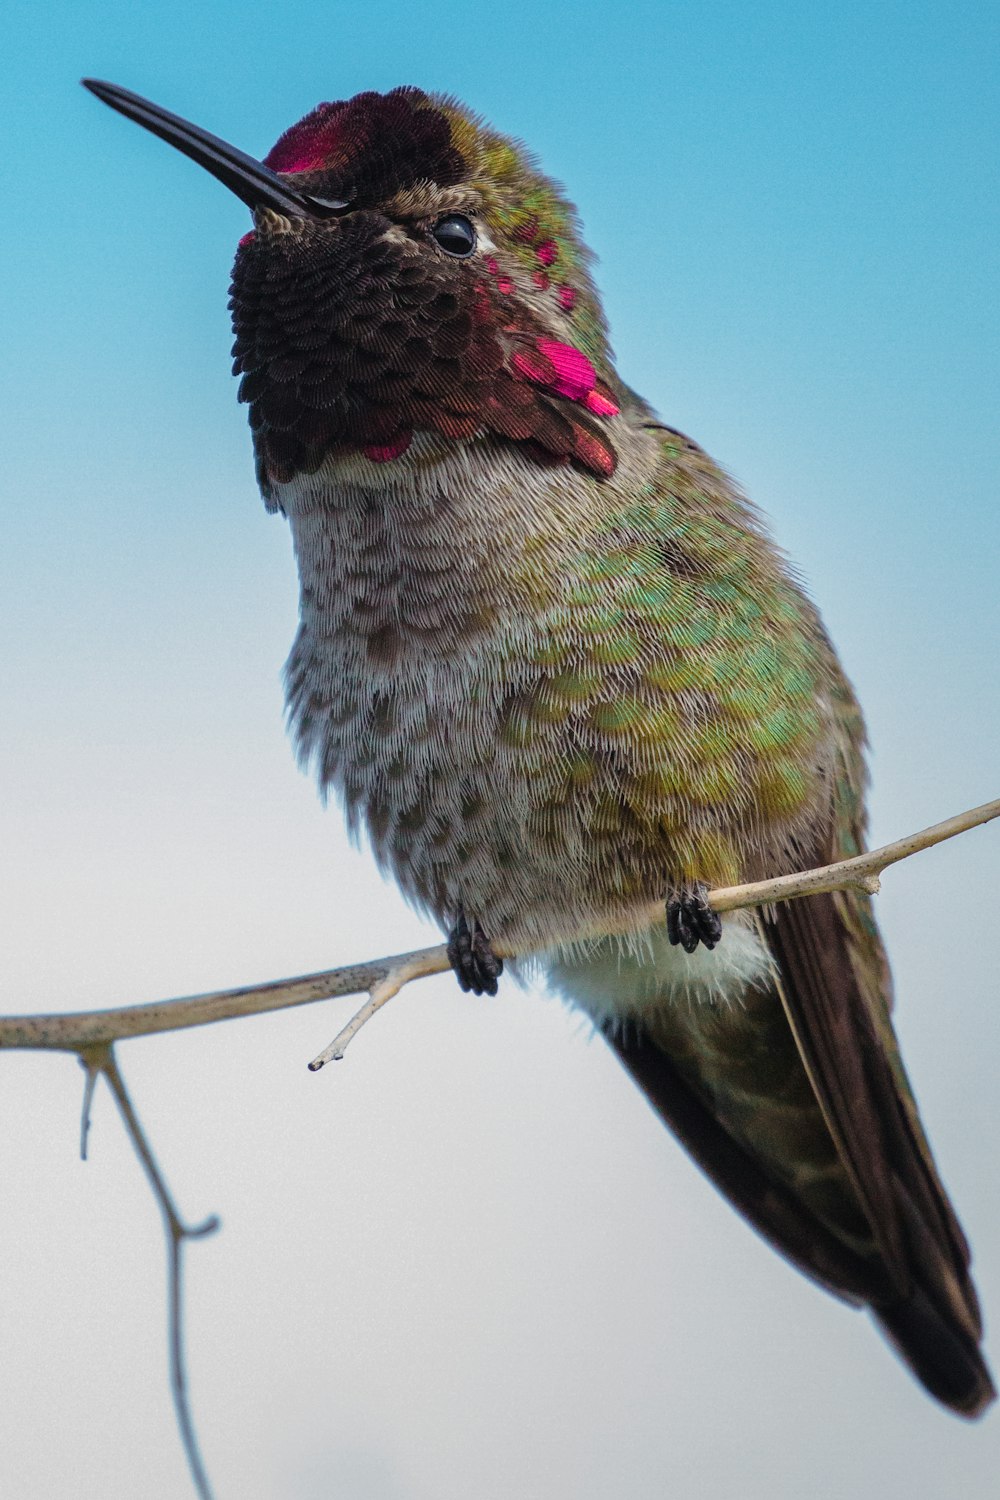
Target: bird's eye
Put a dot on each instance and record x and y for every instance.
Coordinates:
(456, 235)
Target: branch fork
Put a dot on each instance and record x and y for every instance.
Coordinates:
(100, 1062)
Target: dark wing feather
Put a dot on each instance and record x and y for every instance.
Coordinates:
(912, 1267)
(836, 1039)
(770, 1206)
(823, 949)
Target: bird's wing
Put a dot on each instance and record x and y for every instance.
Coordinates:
(828, 959)
(868, 1218)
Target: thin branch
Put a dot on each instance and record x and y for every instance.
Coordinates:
(102, 1060)
(858, 873)
(80, 1031)
(93, 1070)
(75, 1031)
(416, 967)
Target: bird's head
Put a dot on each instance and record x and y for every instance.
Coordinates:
(410, 271)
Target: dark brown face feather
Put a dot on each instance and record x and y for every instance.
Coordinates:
(354, 333)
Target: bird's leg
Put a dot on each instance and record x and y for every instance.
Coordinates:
(476, 966)
(690, 919)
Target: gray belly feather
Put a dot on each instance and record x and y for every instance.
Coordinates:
(397, 683)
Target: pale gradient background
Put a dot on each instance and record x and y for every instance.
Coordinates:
(467, 1262)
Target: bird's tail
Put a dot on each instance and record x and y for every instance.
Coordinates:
(944, 1359)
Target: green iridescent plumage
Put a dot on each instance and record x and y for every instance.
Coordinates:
(678, 675)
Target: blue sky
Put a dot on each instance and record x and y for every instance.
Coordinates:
(468, 1260)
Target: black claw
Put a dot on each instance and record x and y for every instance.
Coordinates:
(690, 920)
(476, 966)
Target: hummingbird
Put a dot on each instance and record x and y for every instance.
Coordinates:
(554, 666)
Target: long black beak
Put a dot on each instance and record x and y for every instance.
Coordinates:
(248, 178)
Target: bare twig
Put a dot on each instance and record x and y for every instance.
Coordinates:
(75, 1031)
(101, 1060)
(88, 1029)
(417, 966)
(859, 873)
(93, 1070)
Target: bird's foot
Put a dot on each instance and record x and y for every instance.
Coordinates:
(690, 920)
(476, 966)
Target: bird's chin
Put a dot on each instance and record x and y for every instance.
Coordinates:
(428, 458)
